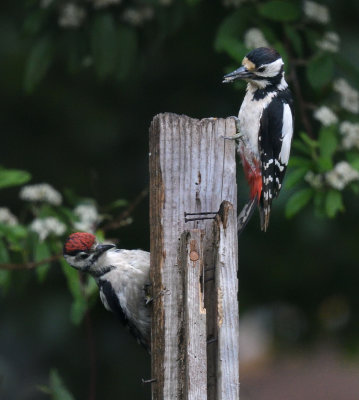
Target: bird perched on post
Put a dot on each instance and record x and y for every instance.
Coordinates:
(265, 129)
(122, 277)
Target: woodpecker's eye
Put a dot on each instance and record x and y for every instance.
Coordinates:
(261, 69)
(83, 256)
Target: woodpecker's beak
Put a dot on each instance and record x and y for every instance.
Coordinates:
(102, 248)
(240, 73)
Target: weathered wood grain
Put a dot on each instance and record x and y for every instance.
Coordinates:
(192, 169)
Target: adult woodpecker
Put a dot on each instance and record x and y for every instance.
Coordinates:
(122, 277)
(265, 129)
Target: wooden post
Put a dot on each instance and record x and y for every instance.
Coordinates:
(195, 308)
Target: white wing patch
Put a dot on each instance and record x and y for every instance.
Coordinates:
(287, 133)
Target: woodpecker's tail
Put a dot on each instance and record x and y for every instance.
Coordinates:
(245, 214)
(264, 214)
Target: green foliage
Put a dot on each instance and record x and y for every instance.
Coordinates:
(328, 144)
(56, 389)
(38, 63)
(333, 203)
(280, 10)
(104, 39)
(13, 177)
(299, 200)
(320, 71)
(127, 49)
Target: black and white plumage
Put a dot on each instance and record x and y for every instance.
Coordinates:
(122, 277)
(265, 124)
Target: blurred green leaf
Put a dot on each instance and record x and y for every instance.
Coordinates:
(41, 252)
(280, 10)
(38, 62)
(353, 159)
(306, 139)
(13, 177)
(127, 48)
(298, 201)
(228, 34)
(294, 176)
(58, 388)
(35, 21)
(333, 203)
(4, 254)
(320, 71)
(302, 147)
(5, 279)
(328, 143)
(296, 161)
(104, 44)
(79, 305)
(117, 204)
(295, 39)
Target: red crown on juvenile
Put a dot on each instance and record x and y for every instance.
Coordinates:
(79, 241)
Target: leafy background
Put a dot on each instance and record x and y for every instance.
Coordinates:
(76, 104)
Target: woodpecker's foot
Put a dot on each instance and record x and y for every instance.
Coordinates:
(208, 215)
(238, 134)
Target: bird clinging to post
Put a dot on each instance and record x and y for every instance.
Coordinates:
(122, 277)
(265, 129)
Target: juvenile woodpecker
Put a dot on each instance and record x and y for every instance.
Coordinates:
(265, 129)
(122, 277)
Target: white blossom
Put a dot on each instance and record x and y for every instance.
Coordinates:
(254, 38)
(137, 16)
(350, 132)
(325, 116)
(88, 218)
(316, 12)
(341, 175)
(7, 217)
(41, 192)
(71, 16)
(47, 226)
(314, 180)
(329, 42)
(349, 97)
(105, 3)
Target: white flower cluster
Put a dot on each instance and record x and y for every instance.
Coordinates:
(88, 218)
(329, 42)
(47, 226)
(137, 16)
(316, 12)
(350, 132)
(41, 192)
(105, 3)
(71, 16)
(341, 175)
(325, 116)
(7, 217)
(254, 38)
(349, 97)
(314, 180)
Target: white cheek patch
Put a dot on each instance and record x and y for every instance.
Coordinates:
(287, 133)
(271, 69)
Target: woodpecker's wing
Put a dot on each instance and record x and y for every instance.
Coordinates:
(274, 141)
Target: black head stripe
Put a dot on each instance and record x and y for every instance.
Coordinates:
(263, 55)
